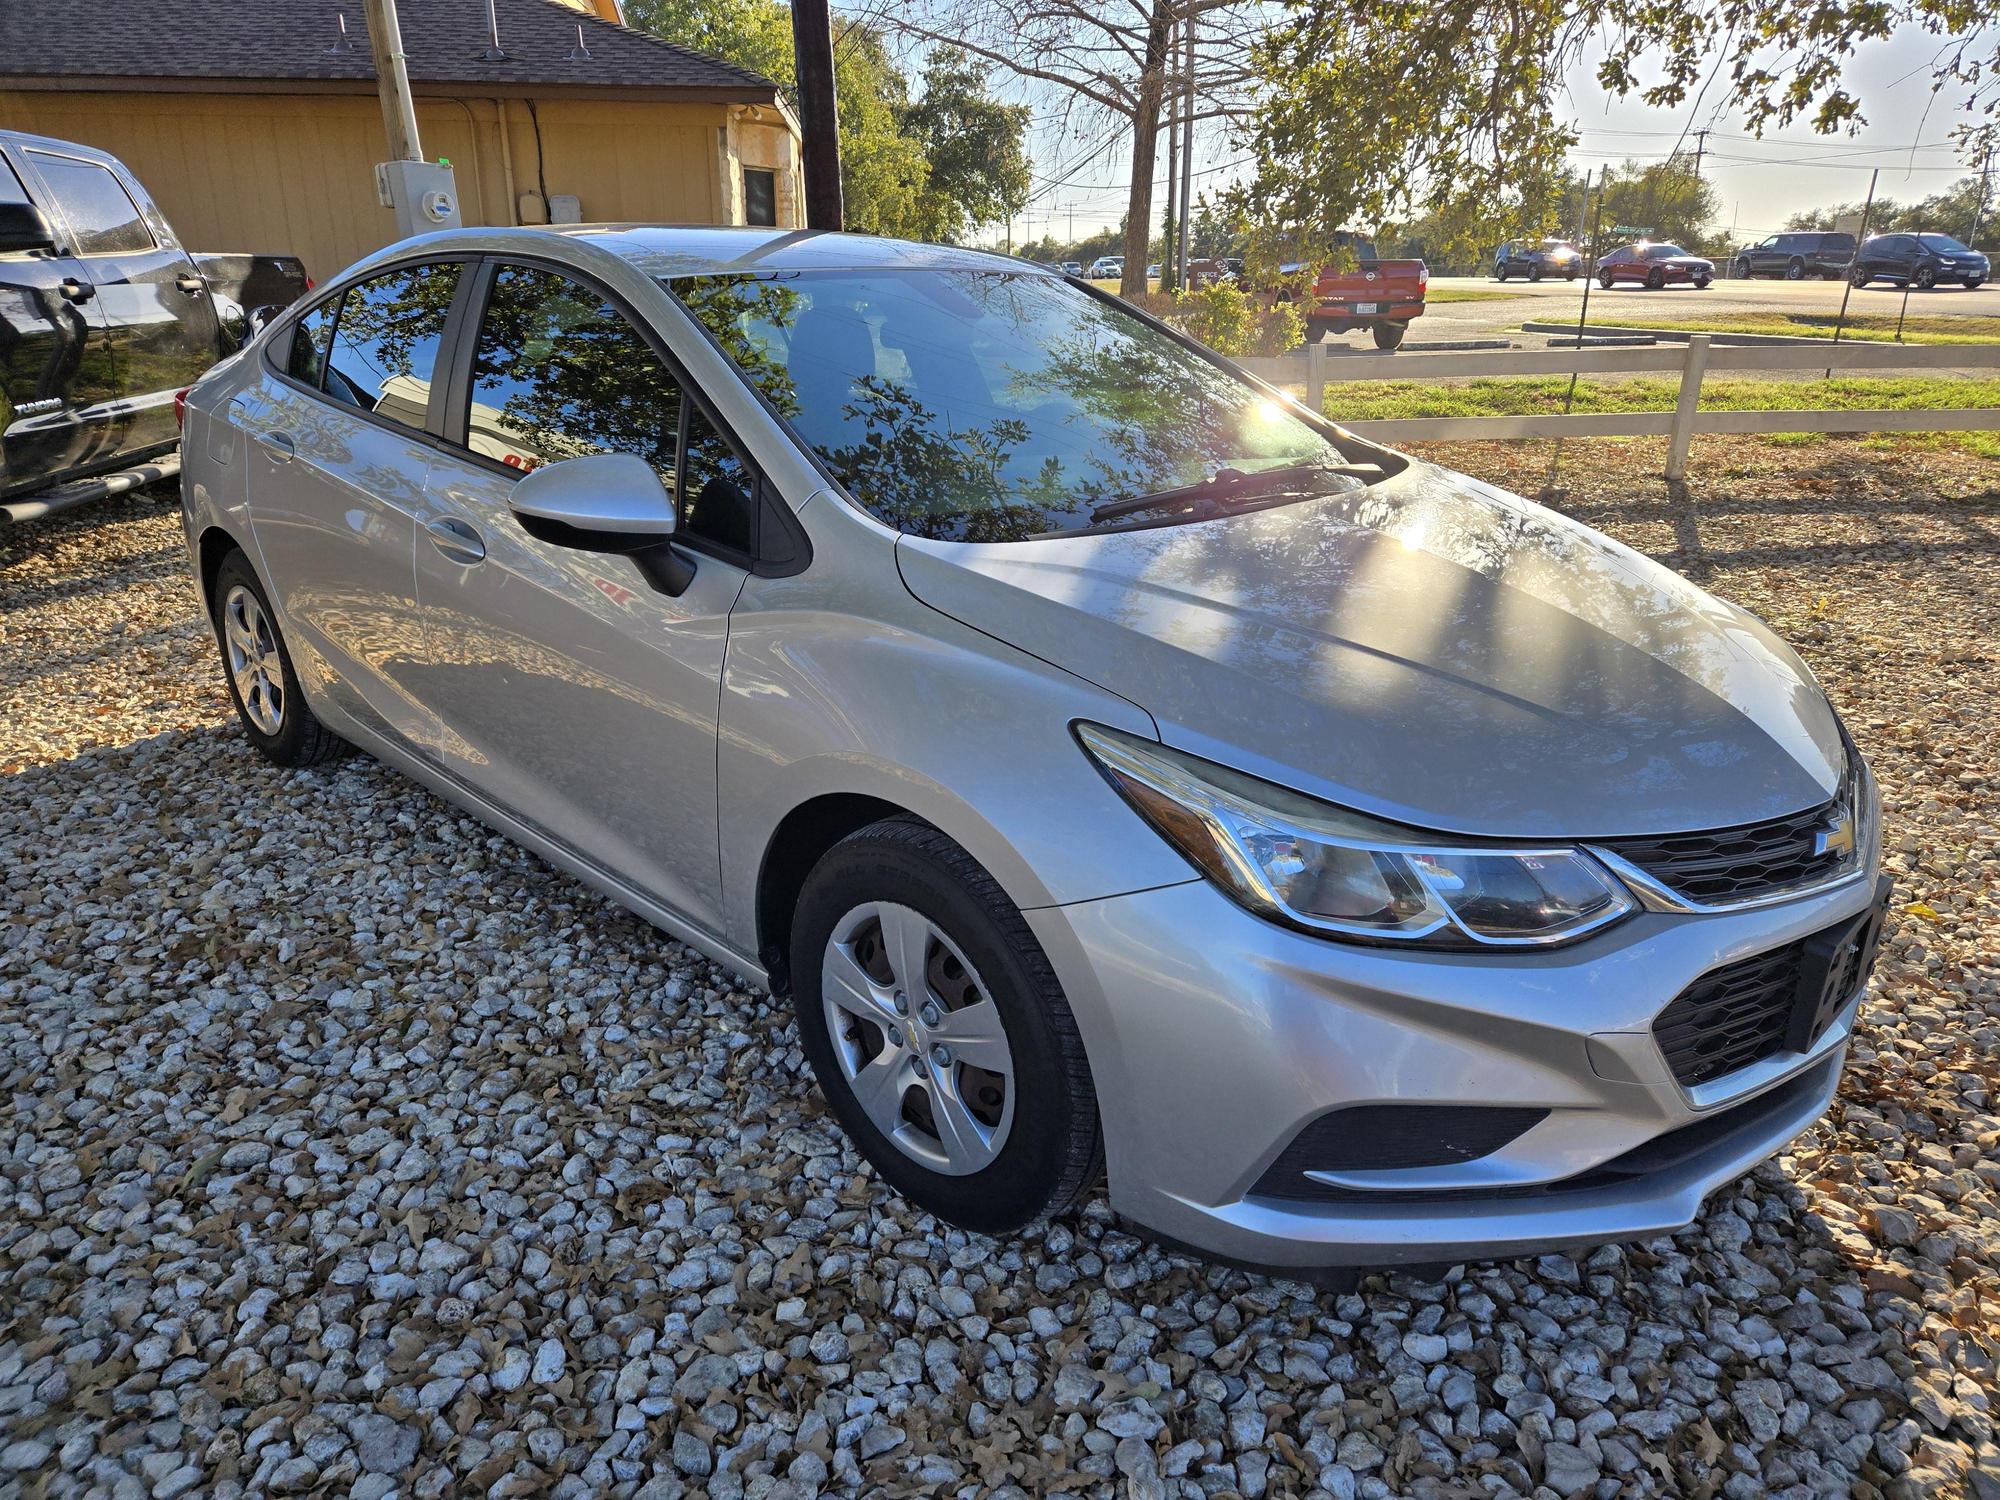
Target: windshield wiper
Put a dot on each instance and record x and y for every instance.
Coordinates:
(1229, 484)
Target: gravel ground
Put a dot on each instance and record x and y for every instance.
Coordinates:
(348, 1149)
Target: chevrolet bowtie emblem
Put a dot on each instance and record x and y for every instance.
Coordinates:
(1836, 838)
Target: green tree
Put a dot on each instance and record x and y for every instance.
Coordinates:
(1953, 211)
(1370, 110)
(1665, 200)
(915, 168)
(977, 147)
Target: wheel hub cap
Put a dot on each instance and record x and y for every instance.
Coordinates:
(251, 647)
(918, 1038)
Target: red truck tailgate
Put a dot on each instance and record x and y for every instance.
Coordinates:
(1375, 288)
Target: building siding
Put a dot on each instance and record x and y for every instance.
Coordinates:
(273, 174)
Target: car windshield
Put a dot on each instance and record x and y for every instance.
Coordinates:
(1665, 252)
(1945, 243)
(996, 405)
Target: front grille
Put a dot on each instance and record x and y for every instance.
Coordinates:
(1723, 1133)
(1738, 864)
(1730, 1017)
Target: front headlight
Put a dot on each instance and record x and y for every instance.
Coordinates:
(1312, 865)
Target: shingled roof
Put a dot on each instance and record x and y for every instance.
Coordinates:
(183, 45)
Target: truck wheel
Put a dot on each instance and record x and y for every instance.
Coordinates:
(1795, 269)
(1389, 335)
(1315, 333)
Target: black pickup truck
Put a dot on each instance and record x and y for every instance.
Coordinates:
(104, 321)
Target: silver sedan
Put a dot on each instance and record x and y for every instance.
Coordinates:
(1124, 771)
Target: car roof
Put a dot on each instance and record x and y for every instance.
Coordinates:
(708, 250)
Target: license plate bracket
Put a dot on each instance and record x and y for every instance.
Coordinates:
(1836, 963)
(1367, 307)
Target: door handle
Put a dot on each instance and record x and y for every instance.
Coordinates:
(279, 445)
(74, 290)
(457, 540)
(190, 283)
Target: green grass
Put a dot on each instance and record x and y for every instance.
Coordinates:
(1865, 327)
(1468, 294)
(1361, 400)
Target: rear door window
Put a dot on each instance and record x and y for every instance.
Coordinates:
(305, 357)
(383, 357)
(103, 219)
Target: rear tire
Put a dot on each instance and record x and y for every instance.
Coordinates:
(1389, 335)
(257, 666)
(1535, 272)
(1795, 270)
(986, 1150)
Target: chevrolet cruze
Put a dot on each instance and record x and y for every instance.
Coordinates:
(1125, 772)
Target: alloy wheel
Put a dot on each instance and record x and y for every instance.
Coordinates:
(918, 1038)
(254, 664)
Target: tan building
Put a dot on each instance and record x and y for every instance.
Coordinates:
(257, 126)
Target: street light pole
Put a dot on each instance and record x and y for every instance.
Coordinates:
(819, 112)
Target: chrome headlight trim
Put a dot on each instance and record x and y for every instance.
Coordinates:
(1250, 838)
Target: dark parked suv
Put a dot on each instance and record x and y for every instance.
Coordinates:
(1796, 256)
(1924, 260)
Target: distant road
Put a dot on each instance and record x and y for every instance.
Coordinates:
(1555, 299)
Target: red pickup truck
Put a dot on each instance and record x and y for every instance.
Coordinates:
(1379, 295)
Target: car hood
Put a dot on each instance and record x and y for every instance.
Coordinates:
(1430, 650)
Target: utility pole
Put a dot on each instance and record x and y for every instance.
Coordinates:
(1187, 143)
(1700, 148)
(1979, 212)
(819, 112)
(1860, 238)
(1172, 225)
(423, 194)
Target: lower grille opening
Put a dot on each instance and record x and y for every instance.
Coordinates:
(1392, 1137)
(1724, 1131)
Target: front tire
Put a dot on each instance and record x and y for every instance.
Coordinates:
(1973, 283)
(1655, 279)
(1389, 335)
(1859, 279)
(1535, 272)
(1701, 283)
(1500, 273)
(1604, 279)
(939, 1033)
(256, 664)
(1926, 278)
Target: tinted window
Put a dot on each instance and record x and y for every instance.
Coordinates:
(718, 491)
(558, 372)
(990, 405)
(11, 190)
(760, 196)
(385, 342)
(1943, 242)
(101, 214)
(306, 358)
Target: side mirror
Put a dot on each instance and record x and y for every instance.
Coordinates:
(23, 228)
(605, 502)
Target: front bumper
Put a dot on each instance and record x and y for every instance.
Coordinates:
(1215, 1037)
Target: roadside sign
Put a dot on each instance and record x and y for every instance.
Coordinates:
(1631, 228)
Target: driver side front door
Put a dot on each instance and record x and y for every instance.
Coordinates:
(566, 689)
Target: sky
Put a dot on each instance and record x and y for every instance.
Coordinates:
(1761, 182)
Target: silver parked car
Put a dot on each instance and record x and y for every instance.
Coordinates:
(1123, 770)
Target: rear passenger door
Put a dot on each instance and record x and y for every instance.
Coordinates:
(155, 308)
(567, 690)
(340, 431)
(58, 389)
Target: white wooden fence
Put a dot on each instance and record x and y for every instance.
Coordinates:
(1692, 363)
